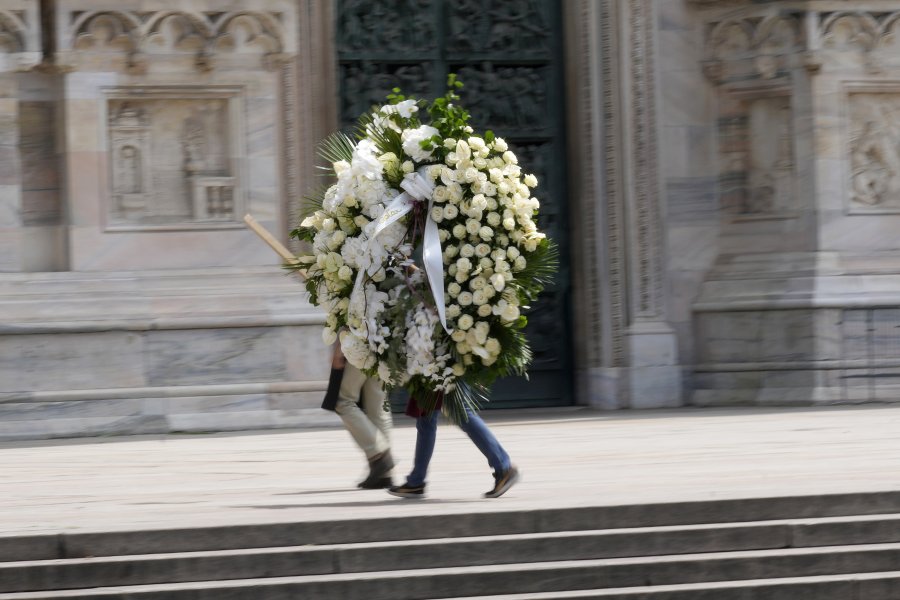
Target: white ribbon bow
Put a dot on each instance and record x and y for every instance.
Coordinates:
(417, 187)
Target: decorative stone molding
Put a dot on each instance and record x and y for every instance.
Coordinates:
(142, 30)
(20, 35)
(626, 350)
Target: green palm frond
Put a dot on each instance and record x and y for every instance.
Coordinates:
(539, 272)
(516, 355)
(464, 395)
(336, 147)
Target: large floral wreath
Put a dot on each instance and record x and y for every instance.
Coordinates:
(425, 252)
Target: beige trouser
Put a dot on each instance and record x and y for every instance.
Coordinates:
(370, 429)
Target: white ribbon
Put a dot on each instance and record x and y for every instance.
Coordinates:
(417, 187)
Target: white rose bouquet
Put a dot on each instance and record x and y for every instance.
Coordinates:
(444, 325)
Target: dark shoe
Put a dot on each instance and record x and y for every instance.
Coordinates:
(376, 484)
(407, 491)
(503, 481)
(381, 465)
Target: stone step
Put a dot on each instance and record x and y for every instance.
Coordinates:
(807, 516)
(862, 586)
(426, 554)
(432, 553)
(459, 582)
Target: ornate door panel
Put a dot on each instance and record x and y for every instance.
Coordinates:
(508, 53)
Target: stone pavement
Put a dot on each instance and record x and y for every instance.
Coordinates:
(569, 457)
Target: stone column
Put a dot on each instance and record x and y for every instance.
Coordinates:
(20, 43)
(801, 306)
(626, 351)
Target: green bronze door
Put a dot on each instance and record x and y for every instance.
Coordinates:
(508, 53)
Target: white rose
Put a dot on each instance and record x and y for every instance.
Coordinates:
(464, 264)
(467, 250)
(484, 310)
(494, 219)
(498, 281)
(473, 226)
(450, 212)
(458, 335)
(486, 233)
(329, 336)
(465, 298)
(510, 313)
(459, 370)
(509, 224)
(454, 289)
(407, 167)
(471, 174)
(531, 245)
(478, 298)
(345, 273)
(328, 225)
(440, 194)
(465, 322)
(459, 232)
(437, 214)
(477, 283)
(492, 345)
(530, 180)
(482, 250)
(453, 310)
(443, 234)
(500, 144)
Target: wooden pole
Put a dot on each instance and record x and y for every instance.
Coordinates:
(273, 243)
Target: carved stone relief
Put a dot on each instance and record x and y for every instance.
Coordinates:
(20, 35)
(11, 33)
(171, 161)
(756, 154)
(875, 152)
(137, 36)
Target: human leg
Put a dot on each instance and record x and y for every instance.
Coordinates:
(373, 402)
(380, 465)
(426, 434)
(367, 436)
(484, 440)
(505, 474)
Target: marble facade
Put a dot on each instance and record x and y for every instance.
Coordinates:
(734, 177)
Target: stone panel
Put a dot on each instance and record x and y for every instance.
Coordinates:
(71, 361)
(184, 357)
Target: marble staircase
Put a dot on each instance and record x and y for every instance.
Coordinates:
(824, 547)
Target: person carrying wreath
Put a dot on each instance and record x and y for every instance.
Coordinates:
(360, 403)
(505, 473)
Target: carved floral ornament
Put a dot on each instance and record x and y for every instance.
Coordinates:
(204, 35)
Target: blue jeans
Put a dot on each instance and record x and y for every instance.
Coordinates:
(481, 436)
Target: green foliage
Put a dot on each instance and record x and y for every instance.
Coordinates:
(464, 395)
(447, 116)
(336, 147)
(539, 271)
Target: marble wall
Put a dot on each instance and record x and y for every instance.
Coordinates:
(134, 136)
